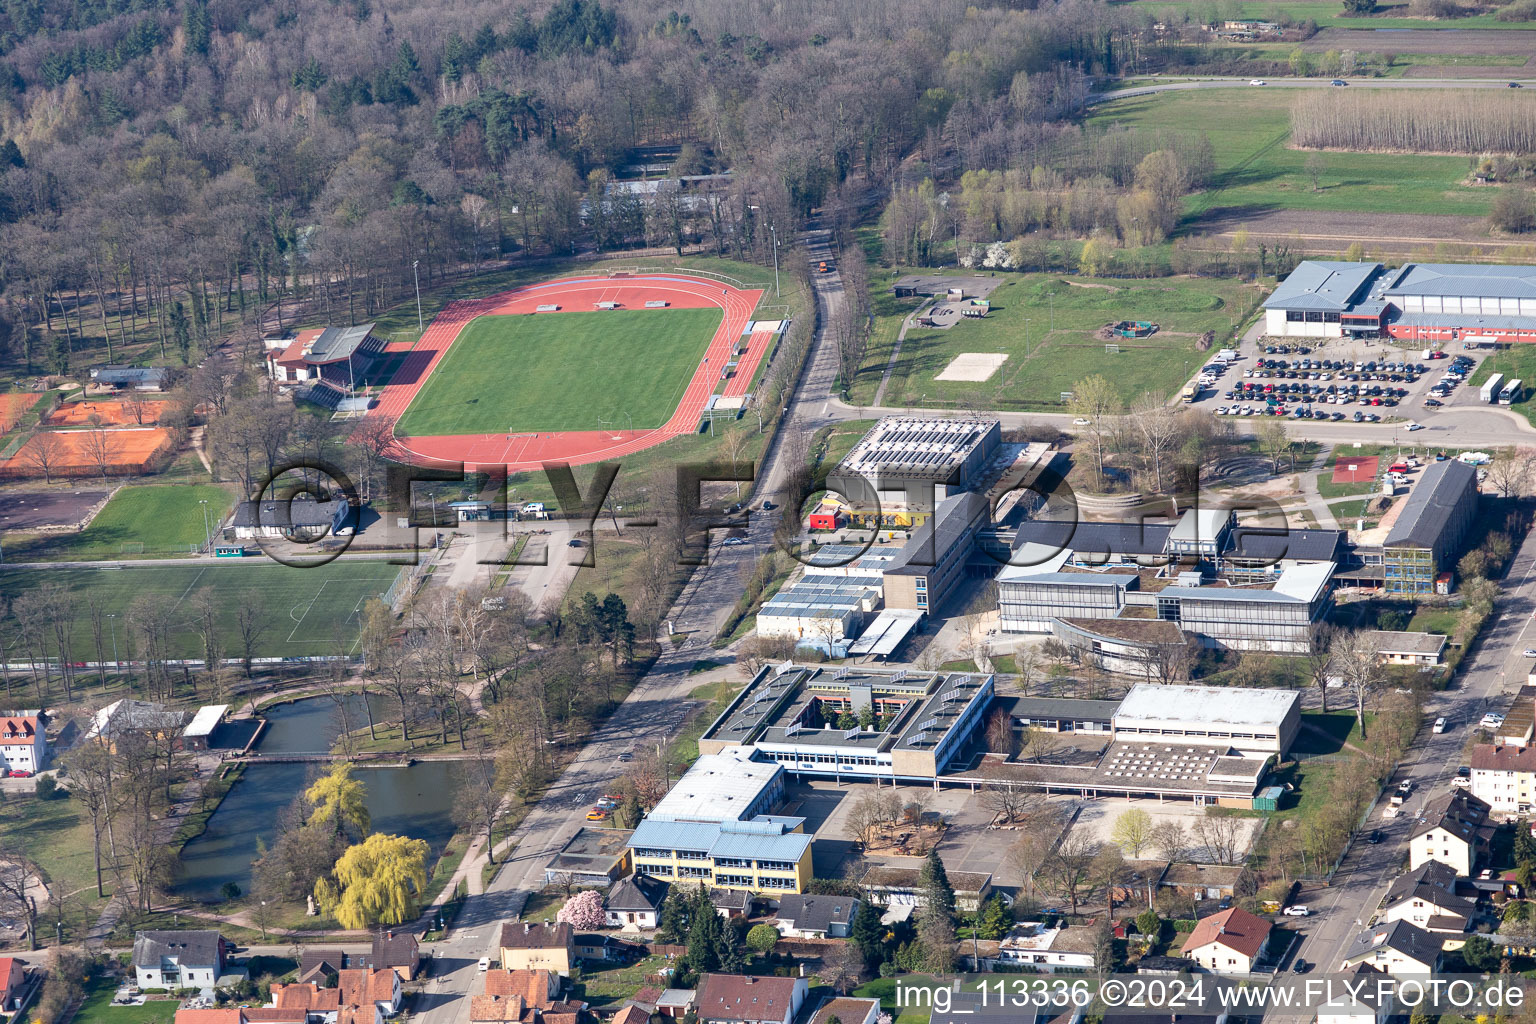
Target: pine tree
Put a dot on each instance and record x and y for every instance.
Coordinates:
(703, 936)
(674, 917)
(727, 953)
(935, 883)
(866, 932)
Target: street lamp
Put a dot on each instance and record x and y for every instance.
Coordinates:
(207, 537)
(775, 234)
(112, 617)
(263, 920)
(420, 327)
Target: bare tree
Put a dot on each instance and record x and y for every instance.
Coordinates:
(1357, 659)
(1157, 431)
(1510, 471)
(100, 447)
(1070, 868)
(1036, 743)
(44, 453)
(1319, 656)
(1219, 833)
(1170, 839)
(481, 799)
(251, 622)
(18, 887)
(1008, 803)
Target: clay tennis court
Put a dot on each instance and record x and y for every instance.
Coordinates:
(522, 451)
(1355, 469)
(108, 414)
(132, 450)
(14, 406)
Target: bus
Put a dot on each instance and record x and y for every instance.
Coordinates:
(1511, 392)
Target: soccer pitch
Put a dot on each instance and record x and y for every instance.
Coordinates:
(615, 369)
(304, 611)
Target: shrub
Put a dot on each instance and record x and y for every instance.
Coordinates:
(45, 787)
(1513, 210)
(762, 938)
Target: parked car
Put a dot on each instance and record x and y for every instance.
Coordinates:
(1415, 426)
(1375, 837)
(1440, 725)
(485, 963)
(1300, 966)
(1492, 720)
(1405, 787)
(1297, 910)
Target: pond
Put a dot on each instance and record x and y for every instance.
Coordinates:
(403, 801)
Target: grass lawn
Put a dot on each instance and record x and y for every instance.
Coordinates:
(1328, 489)
(1058, 345)
(1255, 168)
(1435, 620)
(305, 611)
(1326, 734)
(565, 371)
(98, 1008)
(684, 748)
(1345, 511)
(56, 835)
(138, 520)
(604, 985)
(1514, 362)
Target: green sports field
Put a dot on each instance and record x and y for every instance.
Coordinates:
(304, 611)
(152, 520)
(568, 371)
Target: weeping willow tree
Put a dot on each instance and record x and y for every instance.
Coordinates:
(339, 798)
(377, 881)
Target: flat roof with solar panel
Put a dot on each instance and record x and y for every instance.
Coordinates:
(921, 448)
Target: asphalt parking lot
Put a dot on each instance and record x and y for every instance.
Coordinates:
(33, 510)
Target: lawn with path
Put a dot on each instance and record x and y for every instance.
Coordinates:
(1047, 324)
(565, 371)
(310, 611)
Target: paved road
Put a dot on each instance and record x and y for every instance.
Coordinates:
(1495, 672)
(1308, 83)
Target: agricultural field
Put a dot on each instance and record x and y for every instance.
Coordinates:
(138, 521)
(1334, 16)
(1047, 326)
(574, 371)
(303, 611)
(1257, 173)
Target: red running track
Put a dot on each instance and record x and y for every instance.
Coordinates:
(574, 294)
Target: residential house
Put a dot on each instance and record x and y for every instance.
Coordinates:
(12, 981)
(1454, 830)
(1230, 942)
(635, 903)
(317, 1004)
(731, 903)
(631, 1014)
(321, 966)
(1427, 897)
(816, 917)
(1365, 1004)
(273, 1015)
(361, 986)
(23, 743)
(395, 951)
(735, 999)
(594, 946)
(1039, 948)
(526, 946)
(179, 959)
(847, 1010)
(524, 997)
(1396, 947)
(886, 886)
(230, 1015)
(1504, 776)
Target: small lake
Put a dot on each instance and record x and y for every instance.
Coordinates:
(404, 801)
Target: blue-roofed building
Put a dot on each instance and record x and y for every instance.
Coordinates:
(1428, 303)
(765, 855)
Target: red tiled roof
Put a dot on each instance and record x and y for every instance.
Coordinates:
(497, 1008)
(274, 1015)
(366, 985)
(738, 997)
(1488, 758)
(306, 996)
(223, 1016)
(18, 727)
(533, 987)
(631, 1015)
(1235, 928)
